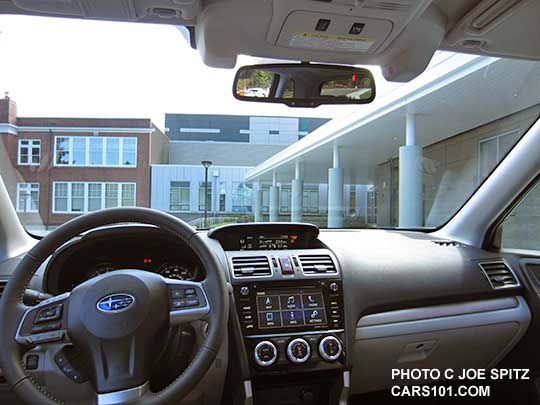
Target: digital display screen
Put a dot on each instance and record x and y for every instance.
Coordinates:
(268, 242)
(290, 308)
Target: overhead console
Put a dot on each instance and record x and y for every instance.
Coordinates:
(288, 296)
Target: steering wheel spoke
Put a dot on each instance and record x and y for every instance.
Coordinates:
(187, 301)
(45, 322)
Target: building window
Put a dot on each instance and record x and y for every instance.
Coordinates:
(77, 197)
(285, 200)
(208, 196)
(27, 197)
(129, 152)
(95, 151)
(29, 152)
(493, 150)
(241, 197)
(111, 195)
(310, 200)
(222, 196)
(179, 196)
(128, 195)
(352, 200)
(94, 196)
(371, 207)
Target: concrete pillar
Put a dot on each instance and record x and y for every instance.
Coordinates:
(258, 202)
(274, 200)
(335, 192)
(410, 178)
(297, 194)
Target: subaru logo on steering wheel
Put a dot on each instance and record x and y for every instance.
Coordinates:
(115, 302)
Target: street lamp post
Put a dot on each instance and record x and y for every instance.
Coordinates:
(206, 164)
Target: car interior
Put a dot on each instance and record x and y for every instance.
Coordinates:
(285, 312)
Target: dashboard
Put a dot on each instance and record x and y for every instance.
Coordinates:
(323, 303)
(141, 248)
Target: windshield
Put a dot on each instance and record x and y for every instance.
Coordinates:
(95, 115)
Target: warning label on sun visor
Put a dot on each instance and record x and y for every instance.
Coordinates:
(311, 40)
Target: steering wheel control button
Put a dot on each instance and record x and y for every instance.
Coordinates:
(70, 362)
(286, 266)
(298, 351)
(193, 302)
(330, 348)
(177, 294)
(46, 337)
(51, 313)
(265, 353)
(45, 327)
(190, 292)
(32, 362)
(178, 303)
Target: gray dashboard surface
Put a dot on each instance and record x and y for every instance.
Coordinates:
(386, 270)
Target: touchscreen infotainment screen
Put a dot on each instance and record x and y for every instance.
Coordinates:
(290, 308)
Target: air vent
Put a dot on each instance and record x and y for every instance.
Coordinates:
(446, 243)
(499, 274)
(251, 266)
(317, 264)
(2, 286)
(402, 6)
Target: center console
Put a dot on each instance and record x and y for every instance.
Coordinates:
(291, 322)
(288, 297)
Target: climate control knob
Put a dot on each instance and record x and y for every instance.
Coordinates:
(265, 353)
(298, 351)
(330, 348)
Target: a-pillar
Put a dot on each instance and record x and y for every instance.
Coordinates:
(410, 178)
(274, 200)
(297, 191)
(335, 191)
(258, 202)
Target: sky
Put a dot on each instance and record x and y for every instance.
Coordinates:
(74, 68)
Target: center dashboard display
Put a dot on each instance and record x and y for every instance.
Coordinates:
(268, 242)
(290, 308)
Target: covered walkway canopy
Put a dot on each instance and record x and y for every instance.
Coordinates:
(456, 93)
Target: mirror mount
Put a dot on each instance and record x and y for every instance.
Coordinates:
(304, 84)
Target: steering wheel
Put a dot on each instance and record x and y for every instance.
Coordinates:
(119, 319)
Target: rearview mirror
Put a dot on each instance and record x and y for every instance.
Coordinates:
(304, 84)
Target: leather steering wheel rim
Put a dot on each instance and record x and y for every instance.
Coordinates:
(12, 307)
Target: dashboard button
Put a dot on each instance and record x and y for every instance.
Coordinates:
(268, 303)
(312, 300)
(289, 302)
(315, 316)
(244, 291)
(265, 353)
(32, 362)
(330, 348)
(298, 351)
(269, 319)
(292, 318)
(286, 266)
(334, 287)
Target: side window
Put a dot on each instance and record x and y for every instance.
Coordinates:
(521, 229)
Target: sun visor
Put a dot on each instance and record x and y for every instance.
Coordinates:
(333, 32)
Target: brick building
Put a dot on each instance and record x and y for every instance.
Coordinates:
(57, 168)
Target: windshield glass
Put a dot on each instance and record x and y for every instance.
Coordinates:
(95, 115)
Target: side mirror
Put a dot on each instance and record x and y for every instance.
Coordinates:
(304, 84)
